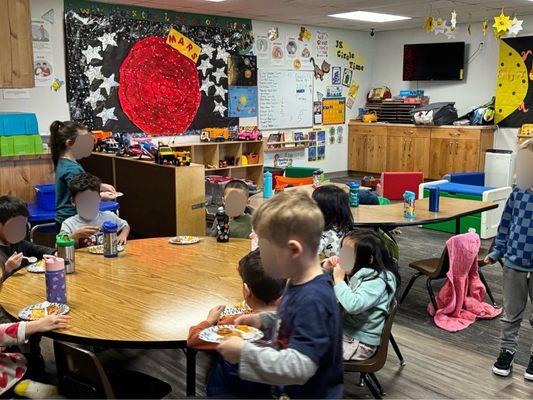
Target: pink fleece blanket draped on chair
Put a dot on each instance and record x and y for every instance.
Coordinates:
(460, 301)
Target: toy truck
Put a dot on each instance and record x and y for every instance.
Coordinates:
(214, 135)
(100, 137)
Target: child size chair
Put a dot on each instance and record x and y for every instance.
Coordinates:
(81, 376)
(368, 368)
(394, 184)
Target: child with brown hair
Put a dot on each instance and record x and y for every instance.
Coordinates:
(305, 360)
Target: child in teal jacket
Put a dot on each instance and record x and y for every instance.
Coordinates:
(363, 292)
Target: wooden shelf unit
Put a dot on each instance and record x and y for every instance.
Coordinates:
(210, 153)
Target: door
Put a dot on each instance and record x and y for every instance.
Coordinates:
(442, 157)
(376, 161)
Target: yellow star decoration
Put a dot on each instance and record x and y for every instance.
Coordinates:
(501, 24)
(485, 27)
(428, 24)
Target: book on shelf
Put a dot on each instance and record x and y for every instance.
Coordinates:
(288, 137)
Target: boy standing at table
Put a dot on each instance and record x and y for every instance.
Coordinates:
(305, 360)
(514, 242)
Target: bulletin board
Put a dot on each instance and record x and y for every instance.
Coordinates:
(285, 99)
(333, 111)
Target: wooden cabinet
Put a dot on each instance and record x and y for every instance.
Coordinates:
(16, 56)
(435, 151)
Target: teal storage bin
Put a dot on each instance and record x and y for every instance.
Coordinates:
(7, 146)
(18, 124)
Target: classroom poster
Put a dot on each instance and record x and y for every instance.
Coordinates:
(321, 152)
(334, 91)
(262, 47)
(242, 101)
(305, 54)
(311, 152)
(43, 61)
(292, 48)
(278, 53)
(333, 111)
(336, 76)
(41, 35)
(347, 77)
(317, 112)
(322, 46)
(340, 132)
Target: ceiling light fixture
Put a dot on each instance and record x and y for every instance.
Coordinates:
(369, 16)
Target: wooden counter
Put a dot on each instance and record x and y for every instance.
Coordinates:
(18, 174)
(159, 200)
(433, 150)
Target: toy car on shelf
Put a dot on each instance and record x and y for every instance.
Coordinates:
(214, 135)
(168, 154)
(109, 145)
(100, 137)
(250, 133)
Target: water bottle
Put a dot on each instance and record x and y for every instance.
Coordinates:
(222, 225)
(354, 193)
(434, 197)
(409, 204)
(267, 185)
(56, 285)
(317, 178)
(110, 239)
(65, 250)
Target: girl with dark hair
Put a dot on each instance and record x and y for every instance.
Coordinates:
(66, 145)
(334, 203)
(364, 291)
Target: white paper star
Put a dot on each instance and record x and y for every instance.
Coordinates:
(219, 107)
(92, 52)
(107, 39)
(222, 54)
(106, 114)
(219, 73)
(440, 28)
(208, 50)
(204, 66)
(220, 91)
(450, 32)
(94, 98)
(93, 73)
(515, 27)
(108, 83)
(206, 84)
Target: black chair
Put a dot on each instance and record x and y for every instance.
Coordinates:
(81, 376)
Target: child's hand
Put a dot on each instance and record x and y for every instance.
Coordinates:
(250, 320)
(107, 196)
(122, 239)
(106, 187)
(84, 231)
(231, 349)
(48, 323)
(488, 261)
(331, 263)
(13, 262)
(214, 314)
(338, 274)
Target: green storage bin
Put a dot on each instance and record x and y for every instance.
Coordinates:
(471, 221)
(37, 144)
(299, 172)
(6, 146)
(23, 144)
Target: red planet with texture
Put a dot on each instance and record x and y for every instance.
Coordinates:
(159, 88)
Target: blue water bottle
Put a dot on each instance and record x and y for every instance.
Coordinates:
(409, 204)
(354, 193)
(110, 239)
(267, 185)
(434, 196)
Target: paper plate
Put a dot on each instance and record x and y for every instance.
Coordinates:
(248, 333)
(184, 240)
(29, 314)
(37, 267)
(100, 249)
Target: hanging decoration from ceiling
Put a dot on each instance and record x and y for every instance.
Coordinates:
(428, 21)
(123, 77)
(485, 26)
(469, 29)
(501, 24)
(514, 86)
(516, 27)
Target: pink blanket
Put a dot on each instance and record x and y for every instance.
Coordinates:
(460, 301)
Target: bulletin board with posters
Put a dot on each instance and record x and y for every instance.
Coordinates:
(333, 111)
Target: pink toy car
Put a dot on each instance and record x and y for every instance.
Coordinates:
(250, 133)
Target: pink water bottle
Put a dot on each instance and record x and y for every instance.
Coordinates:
(56, 285)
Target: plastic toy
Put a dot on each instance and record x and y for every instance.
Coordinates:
(250, 133)
(100, 137)
(370, 117)
(214, 134)
(109, 145)
(148, 149)
(166, 153)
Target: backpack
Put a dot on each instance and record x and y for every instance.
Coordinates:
(435, 114)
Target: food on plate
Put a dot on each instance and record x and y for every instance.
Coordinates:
(43, 312)
(40, 263)
(243, 328)
(223, 331)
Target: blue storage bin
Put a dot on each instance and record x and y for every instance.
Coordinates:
(45, 197)
(18, 124)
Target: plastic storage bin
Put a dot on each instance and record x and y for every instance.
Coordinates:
(45, 196)
(18, 124)
(7, 146)
(23, 144)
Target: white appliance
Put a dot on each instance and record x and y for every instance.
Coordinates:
(499, 168)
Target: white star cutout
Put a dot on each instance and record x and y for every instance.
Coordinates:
(222, 54)
(440, 28)
(204, 66)
(450, 32)
(219, 107)
(220, 91)
(206, 84)
(93, 73)
(516, 26)
(106, 114)
(92, 52)
(208, 50)
(108, 83)
(219, 73)
(107, 39)
(94, 98)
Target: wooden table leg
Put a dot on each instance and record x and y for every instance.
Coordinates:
(191, 372)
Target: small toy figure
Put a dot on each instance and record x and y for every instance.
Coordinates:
(222, 225)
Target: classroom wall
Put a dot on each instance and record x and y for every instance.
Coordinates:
(479, 85)
(44, 102)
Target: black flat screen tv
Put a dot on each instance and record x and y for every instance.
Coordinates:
(434, 61)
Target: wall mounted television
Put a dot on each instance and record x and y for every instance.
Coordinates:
(434, 61)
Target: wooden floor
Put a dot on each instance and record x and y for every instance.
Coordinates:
(440, 364)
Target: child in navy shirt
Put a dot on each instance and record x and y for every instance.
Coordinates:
(305, 360)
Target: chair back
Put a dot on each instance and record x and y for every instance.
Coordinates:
(80, 374)
(377, 361)
(444, 265)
